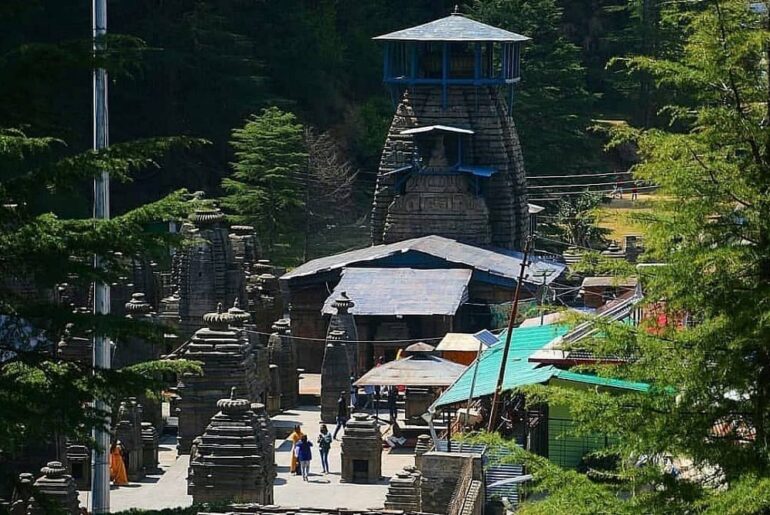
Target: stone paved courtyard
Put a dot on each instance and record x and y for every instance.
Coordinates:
(169, 489)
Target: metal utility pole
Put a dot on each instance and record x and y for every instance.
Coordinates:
(100, 477)
(496, 400)
(542, 293)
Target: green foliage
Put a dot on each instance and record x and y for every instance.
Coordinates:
(576, 220)
(40, 396)
(710, 404)
(266, 188)
(551, 106)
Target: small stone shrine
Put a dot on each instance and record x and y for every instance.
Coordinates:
(335, 375)
(137, 350)
(149, 447)
(245, 244)
(227, 359)
(267, 449)
(239, 320)
(404, 491)
(128, 431)
(424, 444)
(79, 461)
(361, 450)
(58, 487)
(274, 392)
(284, 354)
(22, 493)
(343, 320)
(265, 299)
(229, 463)
(74, 348)
(207, 271)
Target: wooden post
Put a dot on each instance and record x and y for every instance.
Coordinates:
(514, 311)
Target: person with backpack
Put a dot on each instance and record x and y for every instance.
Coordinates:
(302, 450)
(324, 445)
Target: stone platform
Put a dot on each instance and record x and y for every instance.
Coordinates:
(169, 489)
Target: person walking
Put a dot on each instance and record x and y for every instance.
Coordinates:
(117, 465)
(324, 445)
(295, 437)
(342, 413)
(304, 455)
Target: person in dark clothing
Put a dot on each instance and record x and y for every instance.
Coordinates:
(392, 408)
(304, 455)
(342, 413)
(324, 445)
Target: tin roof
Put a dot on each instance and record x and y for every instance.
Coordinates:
(497, 262)
(463, 342)
(425, 370)
(519, 371)
(455, 27)
(402, 291)
(562, 349)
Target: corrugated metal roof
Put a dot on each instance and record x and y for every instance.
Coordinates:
(425, 370)
(519, 371)
(498, 262)
(453, 28)
(609, 382)
(402, 291)
(620, 309)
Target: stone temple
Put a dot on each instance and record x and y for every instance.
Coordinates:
(452, 163)
(450, 211)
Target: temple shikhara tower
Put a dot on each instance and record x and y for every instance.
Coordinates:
(452, 164)
(450, 213)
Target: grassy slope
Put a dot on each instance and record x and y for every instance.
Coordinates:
(617, 216)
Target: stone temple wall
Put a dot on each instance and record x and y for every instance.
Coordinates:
(445, 206)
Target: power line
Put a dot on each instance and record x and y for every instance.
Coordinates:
(568, 193)
(630, 181)
(539, 177)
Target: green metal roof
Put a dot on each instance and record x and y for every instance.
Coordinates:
(566, 375)
(519, 371)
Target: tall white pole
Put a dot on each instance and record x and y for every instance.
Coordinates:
(100, 477)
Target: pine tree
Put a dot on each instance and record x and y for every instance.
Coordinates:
(266, 188)
(551, 106)
(42, 397)
(708, 357)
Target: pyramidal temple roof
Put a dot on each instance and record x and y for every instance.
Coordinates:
(455, 27)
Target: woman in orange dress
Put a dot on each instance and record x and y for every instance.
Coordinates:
(295, 437)
(117, 466)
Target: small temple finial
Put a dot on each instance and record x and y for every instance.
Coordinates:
(232, 393)
(219, 307)
(457, 9)
(237, 303)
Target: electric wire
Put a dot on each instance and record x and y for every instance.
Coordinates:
(575, 185)
(539, 177)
